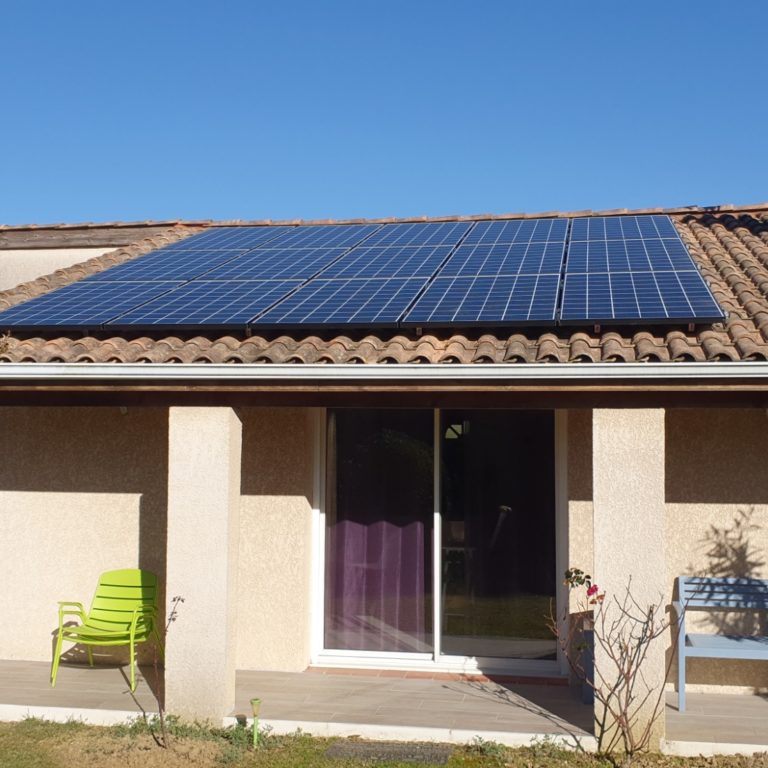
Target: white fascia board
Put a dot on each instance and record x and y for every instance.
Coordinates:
(499, 372)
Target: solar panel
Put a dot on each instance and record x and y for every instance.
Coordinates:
(432, 233)
(517, 231)
(276, 264)
(205, 302)
(624, 269)
(506, 259)
(165, 265)
(86, 304)
(324, 236)
(648, 296)
(622, 228)
(345, 302)
(393, 261)
(487, 300)
(229, 238)
(646, 255)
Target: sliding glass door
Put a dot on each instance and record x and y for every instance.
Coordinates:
(487, 543)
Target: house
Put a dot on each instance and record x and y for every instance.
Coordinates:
(404, 499)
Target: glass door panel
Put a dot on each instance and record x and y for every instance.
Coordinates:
(379, 509)
(498, 533)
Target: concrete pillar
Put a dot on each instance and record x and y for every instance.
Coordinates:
(204, 451)
(628, 496)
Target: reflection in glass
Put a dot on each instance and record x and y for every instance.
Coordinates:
(378, 538)
(498, 540)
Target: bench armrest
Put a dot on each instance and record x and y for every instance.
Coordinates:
(679, 610)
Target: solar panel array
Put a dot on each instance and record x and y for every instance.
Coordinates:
(620, 269)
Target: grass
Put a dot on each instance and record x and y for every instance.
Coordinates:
(41, 744)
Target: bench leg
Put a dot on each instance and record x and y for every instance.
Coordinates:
(681, 683)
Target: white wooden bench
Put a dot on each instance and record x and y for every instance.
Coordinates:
(717, 594)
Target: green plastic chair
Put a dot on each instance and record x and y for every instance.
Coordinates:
(123, 612)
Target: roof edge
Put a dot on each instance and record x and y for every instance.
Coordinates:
(380, 372)
(183, 223)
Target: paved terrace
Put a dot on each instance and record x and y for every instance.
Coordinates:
(392, 705)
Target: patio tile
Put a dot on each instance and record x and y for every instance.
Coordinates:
(390, 700)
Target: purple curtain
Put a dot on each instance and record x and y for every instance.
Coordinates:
(375, 598)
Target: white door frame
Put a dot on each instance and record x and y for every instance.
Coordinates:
(434, 661)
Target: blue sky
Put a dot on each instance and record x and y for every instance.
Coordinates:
(236, 109)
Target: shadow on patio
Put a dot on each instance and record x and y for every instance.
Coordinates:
(388, 705)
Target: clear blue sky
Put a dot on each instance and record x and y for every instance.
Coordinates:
(237, 109)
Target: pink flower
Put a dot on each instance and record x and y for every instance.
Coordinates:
(592, 590)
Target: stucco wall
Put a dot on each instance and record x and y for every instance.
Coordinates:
(716, 517)
(82, 490)
(273, 616)
(717, 520)
(19, 266)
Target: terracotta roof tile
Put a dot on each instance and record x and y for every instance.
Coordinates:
(731, 249)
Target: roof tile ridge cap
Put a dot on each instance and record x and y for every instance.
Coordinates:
(678, 212)
(98, 225)
(72, 274)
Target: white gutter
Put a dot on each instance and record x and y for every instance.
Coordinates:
(499, 372)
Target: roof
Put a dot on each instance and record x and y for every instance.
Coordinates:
(730, 245)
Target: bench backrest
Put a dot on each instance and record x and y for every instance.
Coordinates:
(732, 594)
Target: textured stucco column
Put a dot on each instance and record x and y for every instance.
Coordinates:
(629, 531)
(204, 456)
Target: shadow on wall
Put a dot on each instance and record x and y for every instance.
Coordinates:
(580, 455)
(93, 451)
(716, 456)
(277, 452)
(730, 554)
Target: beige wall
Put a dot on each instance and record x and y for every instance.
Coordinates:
(82, 490)
(19, 266)
(275, 539)
(717, 521)
(716, 516)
